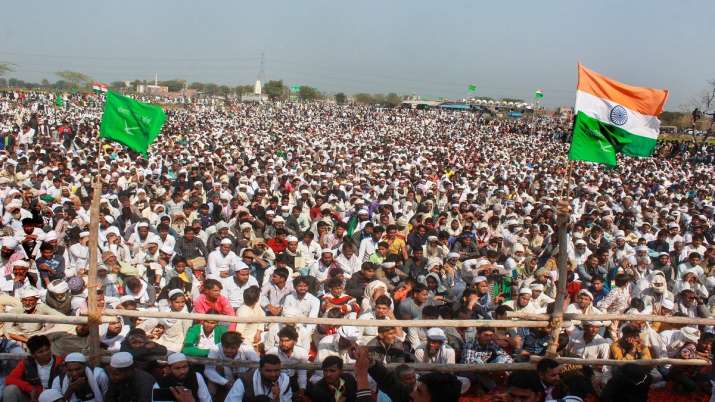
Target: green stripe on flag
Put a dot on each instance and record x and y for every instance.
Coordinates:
(596, 141)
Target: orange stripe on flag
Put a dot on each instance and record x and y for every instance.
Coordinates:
(648, 101)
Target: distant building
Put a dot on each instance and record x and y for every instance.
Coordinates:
(154, 90)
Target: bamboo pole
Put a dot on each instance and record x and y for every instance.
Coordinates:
(41, 318)
(329, 321)
(612, 362)
(562, 220)
(94, 318)
(616, 317)
(531, 365)
(534, 320)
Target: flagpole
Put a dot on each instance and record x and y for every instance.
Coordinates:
(93, 314)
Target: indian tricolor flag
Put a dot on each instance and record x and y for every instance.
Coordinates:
(99, 87)
(613, 117)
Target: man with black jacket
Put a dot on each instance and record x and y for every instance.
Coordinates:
(126, 382)
(431, 387)
(335, 385)
(189, 246)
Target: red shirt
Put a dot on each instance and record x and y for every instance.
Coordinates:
(277, 245)
(202, 305)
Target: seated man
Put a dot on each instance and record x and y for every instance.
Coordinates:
(335, 383)
(29, 296)
(386, 348)
(182, 376)
(34, 374)
(629, 346)
(81, 382)
(127, 383)
(268, 381)
(203, 337)
(232, 347)
(435, 349)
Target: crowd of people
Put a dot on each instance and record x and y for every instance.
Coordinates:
(345, 211)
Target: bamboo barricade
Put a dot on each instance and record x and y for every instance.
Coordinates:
(94, 318)
(535, 321)
(490, 367)
(49, 319)
(328, 321)
(615, 317)
(556, 318)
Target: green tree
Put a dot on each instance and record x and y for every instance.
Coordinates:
(45, 82)
(174, 85)
(379, 99)
(62, 85)
(244, 89)
(275, 89)
(76, 78)
(393, 99)
(307, 93)
(224, 90)
(117, 85)
(340, 98)
(210, 88)
(3, 82)
(199, 86)
(363, 98)
(6, 68)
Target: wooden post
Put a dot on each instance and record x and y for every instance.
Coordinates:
(93, 314)
(562, 221)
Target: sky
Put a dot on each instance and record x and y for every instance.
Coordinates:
(426, 48)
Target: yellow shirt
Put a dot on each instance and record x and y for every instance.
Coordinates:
(396, 245)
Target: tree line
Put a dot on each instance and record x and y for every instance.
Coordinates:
(274, 89)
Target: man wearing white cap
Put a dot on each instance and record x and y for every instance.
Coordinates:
(588, 344)
(21, 331)
(523, 302)
(435, 349)
(319, 269)
(236, 284)
(582, 305)
(223, 256)
(339, 344)
(80, 382)
(182, 378)
(10, 251)
(126, 382)
(17, 278)
(51, 395)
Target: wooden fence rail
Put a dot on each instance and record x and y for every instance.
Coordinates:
(490, 367)
(615, 317)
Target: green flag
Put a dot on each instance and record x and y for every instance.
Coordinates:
(130, 122)
(59, 101)
(352, 224)
(295, 89)
(472, 88)
(538, 94)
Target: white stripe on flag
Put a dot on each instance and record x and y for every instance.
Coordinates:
(600, 108)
